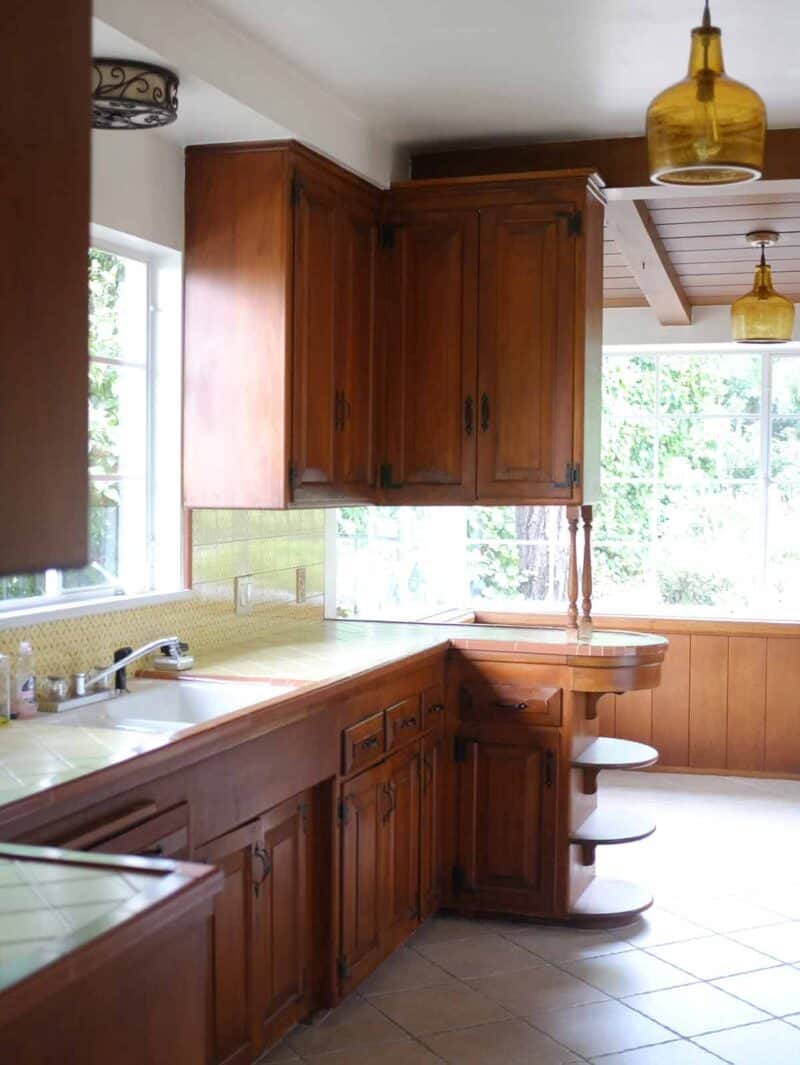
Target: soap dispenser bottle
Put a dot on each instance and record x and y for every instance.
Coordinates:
(25, 682)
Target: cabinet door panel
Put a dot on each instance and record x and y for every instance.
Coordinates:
(314, 343)
(431, 872)
(365, 807)
(431, 304)
(402, 846)
(507, 808)
(526, 376)
(355, 360)
(234, 945)
(283, 920)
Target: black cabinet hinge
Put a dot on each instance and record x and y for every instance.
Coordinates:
(385, 477)
(574, 222)
(297, 189)
(459, 749)
(342, 968)
(342, 812)
(572, 476)
(292, 474)
(460, 882)
(386, 232)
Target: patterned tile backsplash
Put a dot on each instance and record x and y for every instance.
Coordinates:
(225, 544)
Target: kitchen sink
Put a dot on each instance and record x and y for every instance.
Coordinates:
(171, 706)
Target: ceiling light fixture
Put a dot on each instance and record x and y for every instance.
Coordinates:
(129, 94)
(762, 316)
(706, 129)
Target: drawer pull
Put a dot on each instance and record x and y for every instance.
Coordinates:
(437, 708)
(152, 852)
(549, 766)
(510, 706)
(408, 722)
(368, 743)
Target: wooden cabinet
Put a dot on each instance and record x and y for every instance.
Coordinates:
(44, 220)
(279, 329)
(429, 264)
(432, 824)
(493, 340)
(506, 795)
(401, 911)
(260, 930)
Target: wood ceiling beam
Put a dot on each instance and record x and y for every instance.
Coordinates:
(636, 237)
(621, 162)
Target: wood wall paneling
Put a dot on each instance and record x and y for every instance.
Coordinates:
(708, 701)
(782, 747)
(671, 704)
(747, 681)
(634, 716)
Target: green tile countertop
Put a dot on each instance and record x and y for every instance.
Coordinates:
(36, 756)
(54, 902)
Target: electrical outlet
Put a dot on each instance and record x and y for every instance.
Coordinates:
(243, 594)
(300, 584)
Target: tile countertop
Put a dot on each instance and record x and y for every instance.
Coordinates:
(36, 756)
(53, 902)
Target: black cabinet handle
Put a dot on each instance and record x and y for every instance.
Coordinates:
(549, 767)
(338, 416)
(510, 706)
(369, 743)
(437, 708)
(484, 412)
(265, 858)
(468, 415)
(408, 722)
(152, 852)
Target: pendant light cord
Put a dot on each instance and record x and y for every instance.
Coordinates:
(706, 23)
(763, 256)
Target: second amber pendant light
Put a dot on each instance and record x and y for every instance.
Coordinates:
(707, 129)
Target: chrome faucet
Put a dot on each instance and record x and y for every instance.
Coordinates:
(123, 657)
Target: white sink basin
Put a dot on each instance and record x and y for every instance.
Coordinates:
(172, 705)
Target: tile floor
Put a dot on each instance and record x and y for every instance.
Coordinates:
(710, 974)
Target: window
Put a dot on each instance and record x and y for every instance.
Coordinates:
(134, 447)
(699, 513)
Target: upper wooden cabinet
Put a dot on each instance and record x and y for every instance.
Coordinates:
(44, 287)
(279, 331)
(493, 334)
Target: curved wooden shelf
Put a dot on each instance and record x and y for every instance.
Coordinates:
(610, 902)
(608, 753)
(606, 828)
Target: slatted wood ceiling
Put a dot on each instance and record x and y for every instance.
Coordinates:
(704, 239)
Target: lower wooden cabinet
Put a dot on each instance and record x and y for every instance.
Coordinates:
(432, 824)
(402, 828)
(260, 930)
(506, 795)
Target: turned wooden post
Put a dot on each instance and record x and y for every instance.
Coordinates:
(585, 627)
(572, 572)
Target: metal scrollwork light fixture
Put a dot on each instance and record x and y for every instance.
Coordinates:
(130, 94)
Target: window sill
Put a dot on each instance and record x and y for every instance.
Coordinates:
(36, 615)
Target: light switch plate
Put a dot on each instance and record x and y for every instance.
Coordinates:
(300, 584)
(243, 594)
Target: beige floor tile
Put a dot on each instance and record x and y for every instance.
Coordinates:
(483, 956)
(600, 1028)
(713, 958)
(695, 1009)
(502, 1043)
(656, 927)
(410, 1053)
(771, 1043)
(566, 944)
(444, 928)
(781, 941)
(426, 1011)
(629, 973)
(544, 988)
(404, 970)
(354, 1024)
(681, 1053)
(725, 914)
(775, 990)
(278, 1055)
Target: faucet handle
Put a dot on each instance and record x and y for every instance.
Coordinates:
(78, 684)
(121, 677)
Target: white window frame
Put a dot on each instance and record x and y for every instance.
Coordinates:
(163, 264)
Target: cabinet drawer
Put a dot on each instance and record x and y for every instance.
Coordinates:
(164, 836)
(510, 703)
(363, 743)
(433, 708)
(403, 722)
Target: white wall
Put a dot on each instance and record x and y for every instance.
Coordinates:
(639, 325)
(137, 185)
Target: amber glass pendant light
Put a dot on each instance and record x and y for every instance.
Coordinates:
(706, 129)
(762, 316)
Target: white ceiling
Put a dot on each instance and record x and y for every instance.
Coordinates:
(432, 71)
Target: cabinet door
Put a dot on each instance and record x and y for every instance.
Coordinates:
(507, 811)
(364, 811)
(431, 871)
(431, 278)
(234, 938)
(354, 400)
(314, 340)
(526, 405)
(282, 921)
(401, 913)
